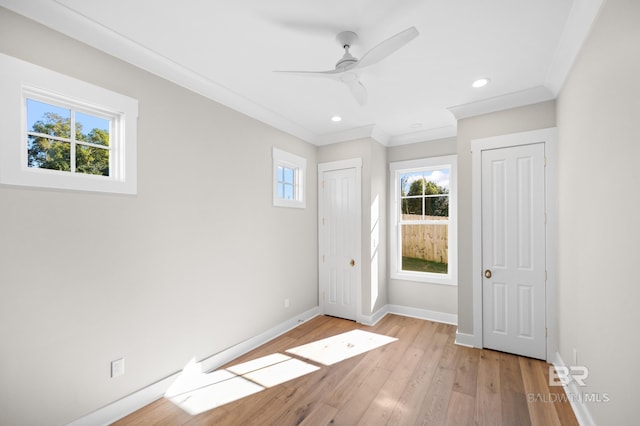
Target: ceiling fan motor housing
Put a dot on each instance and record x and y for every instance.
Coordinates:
(346, 39)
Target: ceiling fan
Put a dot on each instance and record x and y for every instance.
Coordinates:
(346, 68)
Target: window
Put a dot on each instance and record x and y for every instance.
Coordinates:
(289, 172)
(63, 139)
(64, 133)
(423, 215)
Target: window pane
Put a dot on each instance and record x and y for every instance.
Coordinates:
(288, 191)
(412, 208)
(288, 175)
(280, 174)
(436, 208)
(425, 248)
(44, 153)
(48, 119)
(92, 129)
(92, 161)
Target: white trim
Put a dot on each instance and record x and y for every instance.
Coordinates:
(127, 405)
(464, 339)
(530, 96)
(353, 163)
(579, 407)
(424, 314)
(435, 133)
(576, 28)
(548, 137)
(373, 319)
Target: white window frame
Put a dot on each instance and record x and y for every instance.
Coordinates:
(396, 169)
(22, 80)
(299, 165)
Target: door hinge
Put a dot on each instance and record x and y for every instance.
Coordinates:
(546, 332)
(545, 161)
(546, 276)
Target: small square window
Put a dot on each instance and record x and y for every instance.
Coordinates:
(289, 172)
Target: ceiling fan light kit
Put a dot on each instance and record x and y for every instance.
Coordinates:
(345, 69)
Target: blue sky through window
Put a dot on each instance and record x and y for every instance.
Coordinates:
(440, 177)
(36, 111)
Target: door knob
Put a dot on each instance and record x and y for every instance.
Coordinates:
(487, 273)
(352, 263)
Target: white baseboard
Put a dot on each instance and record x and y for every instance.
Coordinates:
(579, 408)
(127, 405)
(464, 339)
(424, 314)
(372, 320)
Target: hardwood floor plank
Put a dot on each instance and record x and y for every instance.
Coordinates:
(321, 415)
(560, 400)
(380, 409)
(541, 410)
(488, 398)
(405, 411)
(514, 401)
(461, 409)
(354, 408)
(467, 371)
(434, 407)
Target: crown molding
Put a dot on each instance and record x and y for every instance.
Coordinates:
(581, 17)
(425, 135)
(499, 103)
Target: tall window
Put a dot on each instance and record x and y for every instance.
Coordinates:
(423, 212)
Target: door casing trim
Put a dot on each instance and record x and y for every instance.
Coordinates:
(548, 137)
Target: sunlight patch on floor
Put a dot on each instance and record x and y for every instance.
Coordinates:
(342, 346)
(196, 392)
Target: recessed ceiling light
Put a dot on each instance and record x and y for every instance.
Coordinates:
(336, 118)
(481, 82)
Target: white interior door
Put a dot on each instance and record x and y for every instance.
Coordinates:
(513, 250)
(339, 224)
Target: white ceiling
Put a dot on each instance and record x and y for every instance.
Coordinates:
(228, 50)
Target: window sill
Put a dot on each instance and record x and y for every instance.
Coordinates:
(424, 278)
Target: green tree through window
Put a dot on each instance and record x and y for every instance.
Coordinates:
(51, 144)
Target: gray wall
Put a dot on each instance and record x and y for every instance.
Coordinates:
(197, 261)
(432, 297)
(532, 117)
(599, 153)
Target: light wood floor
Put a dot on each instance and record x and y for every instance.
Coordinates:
(422, 378)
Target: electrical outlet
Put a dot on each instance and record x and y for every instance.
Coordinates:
(117, 367)
(286, 303)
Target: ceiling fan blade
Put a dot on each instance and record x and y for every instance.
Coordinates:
(330, 73)
(387, 47)
(358, 91)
